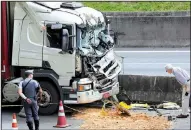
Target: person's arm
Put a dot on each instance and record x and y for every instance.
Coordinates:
(40, 92)
(183, 81)
(187, 88)
(39, 89)
(20, 91)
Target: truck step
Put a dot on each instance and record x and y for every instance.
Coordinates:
(70, 102)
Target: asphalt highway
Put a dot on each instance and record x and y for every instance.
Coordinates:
(145, 61)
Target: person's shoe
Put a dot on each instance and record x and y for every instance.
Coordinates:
(36, 122)
(30, 125)
(182, 116)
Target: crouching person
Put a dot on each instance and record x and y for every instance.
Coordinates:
(184, 79)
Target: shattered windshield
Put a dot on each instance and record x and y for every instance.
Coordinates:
(93, 41)
(90, 38)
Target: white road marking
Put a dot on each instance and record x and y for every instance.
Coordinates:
(152, 51)
(155, 63)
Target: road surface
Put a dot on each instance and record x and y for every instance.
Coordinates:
(145, 61)
(136, 61)
(47, 122)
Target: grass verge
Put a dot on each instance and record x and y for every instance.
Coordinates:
(139, 6)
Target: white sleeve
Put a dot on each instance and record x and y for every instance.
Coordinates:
(36, 84)
(22, 95)
(180, 77)
(20, 84)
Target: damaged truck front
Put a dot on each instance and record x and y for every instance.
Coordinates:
(70, 49)
(97, 66)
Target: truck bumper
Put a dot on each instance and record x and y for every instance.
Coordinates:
(92, 95)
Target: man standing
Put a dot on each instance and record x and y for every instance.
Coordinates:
(28, 91)
(184, 79)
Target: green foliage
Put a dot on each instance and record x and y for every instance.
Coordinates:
(139, 6)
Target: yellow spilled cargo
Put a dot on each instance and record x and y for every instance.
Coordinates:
(125, 106)
(139, 105)
(120, 108)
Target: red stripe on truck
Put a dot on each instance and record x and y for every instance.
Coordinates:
(5, 67)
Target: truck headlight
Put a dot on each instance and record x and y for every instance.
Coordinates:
(84, 87)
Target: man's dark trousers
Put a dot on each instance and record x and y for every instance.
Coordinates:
(31, 111)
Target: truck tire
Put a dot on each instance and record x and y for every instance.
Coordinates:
(54, 98)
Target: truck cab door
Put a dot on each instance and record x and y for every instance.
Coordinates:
(63, 63)
(31, 42)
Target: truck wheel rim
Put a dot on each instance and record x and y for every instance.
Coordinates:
(46, 99)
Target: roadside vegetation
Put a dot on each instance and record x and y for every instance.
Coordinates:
(139, 6)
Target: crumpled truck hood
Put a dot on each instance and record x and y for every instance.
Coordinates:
(91, 15)
(108, 65)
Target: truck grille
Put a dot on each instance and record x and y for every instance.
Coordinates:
(113, 70)
(105, 90)
(100, 76)
(108, 87)
(108, 66)
(105, 81)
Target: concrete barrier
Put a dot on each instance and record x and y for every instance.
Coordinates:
(151, 89)
(153, 29)
(137, 14)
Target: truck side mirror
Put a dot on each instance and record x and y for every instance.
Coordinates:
(108, 26)
(65, 40)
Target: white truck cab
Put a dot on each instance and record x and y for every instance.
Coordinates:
(70, 49)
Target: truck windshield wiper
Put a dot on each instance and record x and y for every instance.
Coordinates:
(86, 47)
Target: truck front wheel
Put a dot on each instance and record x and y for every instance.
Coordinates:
(50, 99)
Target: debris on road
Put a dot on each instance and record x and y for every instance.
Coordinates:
(155, 109)
(139, 105)
(94, 119)
(120, 108)
(168, 105)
